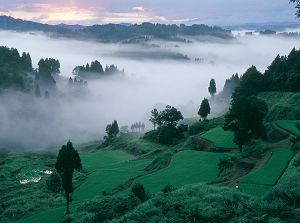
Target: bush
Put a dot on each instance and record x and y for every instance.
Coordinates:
(167, 135)
(54, 182)
(204, 126)
(3, 153)
(168, 188)
(138, 190)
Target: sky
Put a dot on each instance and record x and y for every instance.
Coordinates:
(90, 12)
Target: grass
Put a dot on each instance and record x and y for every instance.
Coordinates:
(289, 125)
(254, 189)
(291, 172)
(109, 177)
(98, 160)
(259, 182)
(270, 173)
(186, 167)
(220, 138)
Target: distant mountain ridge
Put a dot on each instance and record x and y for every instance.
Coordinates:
(10, 23)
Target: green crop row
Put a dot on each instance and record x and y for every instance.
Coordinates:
(186, 167)
(220, 138)
(289, 125)
(270, 173)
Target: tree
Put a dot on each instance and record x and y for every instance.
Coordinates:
(47, 95)
(245, 119)
(212, 89)
(170, 116)
(37, 91)
(67, 160)
(204, 109)
(112, 130)
(297, 7)
(154, 119)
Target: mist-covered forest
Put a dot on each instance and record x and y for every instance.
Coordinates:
(172, 123)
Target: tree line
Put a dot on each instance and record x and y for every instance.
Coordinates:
(95, 70)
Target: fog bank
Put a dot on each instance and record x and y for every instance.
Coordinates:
(130, 98)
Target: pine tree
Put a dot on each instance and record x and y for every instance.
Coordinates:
(37, 91)
(212, 89)
(204, 109)
(66, 162)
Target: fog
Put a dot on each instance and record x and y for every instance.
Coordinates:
(28, 122)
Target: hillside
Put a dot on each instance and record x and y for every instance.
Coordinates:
(110, 172)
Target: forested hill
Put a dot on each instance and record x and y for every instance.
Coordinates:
(117, 32)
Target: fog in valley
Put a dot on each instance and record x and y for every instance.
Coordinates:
(148, 82)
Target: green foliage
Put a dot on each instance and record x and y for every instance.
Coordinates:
(168, 188)
(229, 86)
(204, 109)
(54, 182)
(138, 190)
(111, 130)
(252, 146)
(283, 112)
(170, 116)
(202, 203)
(225, 163)
(165, 135)
(212, 89)
(251, 83)
(220, 138)
(37, 91)
(204, 126)
(44, 74)
(154, 119)
(4, 153)
(107, 208)
(245, 118)
(160, 161)
(270, 173)
(67, 160)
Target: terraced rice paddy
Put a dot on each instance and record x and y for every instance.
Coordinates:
(289, 125)
(220, 138)
(260, 181)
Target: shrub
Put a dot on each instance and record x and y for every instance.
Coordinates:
(138, 190)
(168, 188)
(3, 153)
(54, 182)
(167, 135)
(204, 126)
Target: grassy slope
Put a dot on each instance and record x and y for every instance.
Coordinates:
(186, 167)
(289, 125)
(259, 182)
(107, 170)
(220, 138)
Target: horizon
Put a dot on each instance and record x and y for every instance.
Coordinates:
(91, 12)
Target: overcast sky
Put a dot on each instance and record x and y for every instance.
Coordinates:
(209, 12)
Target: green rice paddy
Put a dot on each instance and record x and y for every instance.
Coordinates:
(220, 138)
(289, 125)
(258, 182)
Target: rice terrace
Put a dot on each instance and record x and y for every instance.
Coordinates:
(149, 115)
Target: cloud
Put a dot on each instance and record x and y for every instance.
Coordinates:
(214, 12)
